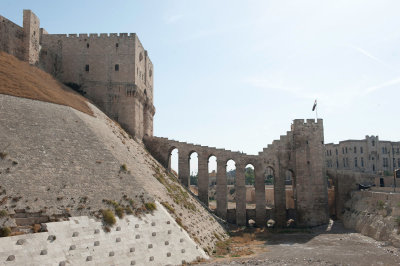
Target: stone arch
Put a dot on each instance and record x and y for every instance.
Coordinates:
(231, 183)
(212, 166)
(249, 178)
(173, 160)
(290, 189)
(269, 178)
(193, 164)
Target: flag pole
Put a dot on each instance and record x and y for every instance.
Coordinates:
(316, 113)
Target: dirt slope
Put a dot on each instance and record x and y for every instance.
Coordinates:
(18, 78)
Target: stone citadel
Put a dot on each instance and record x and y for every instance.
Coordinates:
(116, 73)
(113, 70)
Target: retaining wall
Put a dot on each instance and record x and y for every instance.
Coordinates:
(153, 239)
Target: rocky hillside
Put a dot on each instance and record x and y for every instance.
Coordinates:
(374, 214)
(57, 162)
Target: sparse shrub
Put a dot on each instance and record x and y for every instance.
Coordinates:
(179, 221)
(217, 236)
(108, 217)
(3, 155)
(380, 204)
(3, 213)
(128, 210)
(397, 220)
(5, 231)
(150, 206)
(119, 211)
(123, 168)
(168, 207)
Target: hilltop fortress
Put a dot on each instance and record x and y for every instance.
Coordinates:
(113, 70)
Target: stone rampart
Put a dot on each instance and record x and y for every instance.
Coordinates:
(153, 239)
(12, 38)
(300, 152)
(374, 214)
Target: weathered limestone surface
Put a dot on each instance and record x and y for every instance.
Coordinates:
(374, 214)
(63, 162)
(153, 239)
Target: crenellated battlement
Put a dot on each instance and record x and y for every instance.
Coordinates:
(91, 35)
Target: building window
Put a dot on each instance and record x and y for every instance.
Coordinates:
(346, 149)
(385, 162)
(116, 67)
(336, 152)
(337, 164)
(361, 150)
(347, 162)
(398, 162)
(373, 143)
(355, 162)
(344, 163)
(355, 149)
(383, 150)
(116, 45)
(87, 68)
(394, 162)
(342, 150)
(362, 162)
(87, 45)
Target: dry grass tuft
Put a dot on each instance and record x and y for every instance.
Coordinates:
(18, 78)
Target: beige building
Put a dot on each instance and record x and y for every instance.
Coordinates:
(369, 155)
(113, 70)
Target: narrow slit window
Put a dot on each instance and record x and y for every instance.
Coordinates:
(87, 45)
(116, 67)
(116, 45)
(87, 68)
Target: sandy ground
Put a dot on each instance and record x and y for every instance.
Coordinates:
(331, 245)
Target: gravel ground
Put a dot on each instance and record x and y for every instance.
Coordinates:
(323, 246)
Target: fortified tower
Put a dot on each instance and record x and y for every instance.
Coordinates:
(310, 187)
(113, 70)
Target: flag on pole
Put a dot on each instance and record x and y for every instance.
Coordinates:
(315, 105)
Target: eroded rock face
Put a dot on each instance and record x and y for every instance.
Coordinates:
(374, 214)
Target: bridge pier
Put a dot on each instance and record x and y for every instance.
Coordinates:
(240, 195)
(184, 168)
(203, 178)
(260, 196)
(222, 200)
(280, 197)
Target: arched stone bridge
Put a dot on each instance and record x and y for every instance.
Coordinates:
(301, 152)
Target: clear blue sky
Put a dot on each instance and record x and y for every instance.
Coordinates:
(234, 74)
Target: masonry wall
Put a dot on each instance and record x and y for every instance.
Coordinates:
(311, 192)
(12, 38)
(374, 214)
(113, 70)
(32, 36)
(154, 239)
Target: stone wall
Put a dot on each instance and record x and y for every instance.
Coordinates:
(310, 187)
(374, 214)
(300, 151)
(12, 38)
(345, 182)
(32, 35)
(113, 70)
(153, 239)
